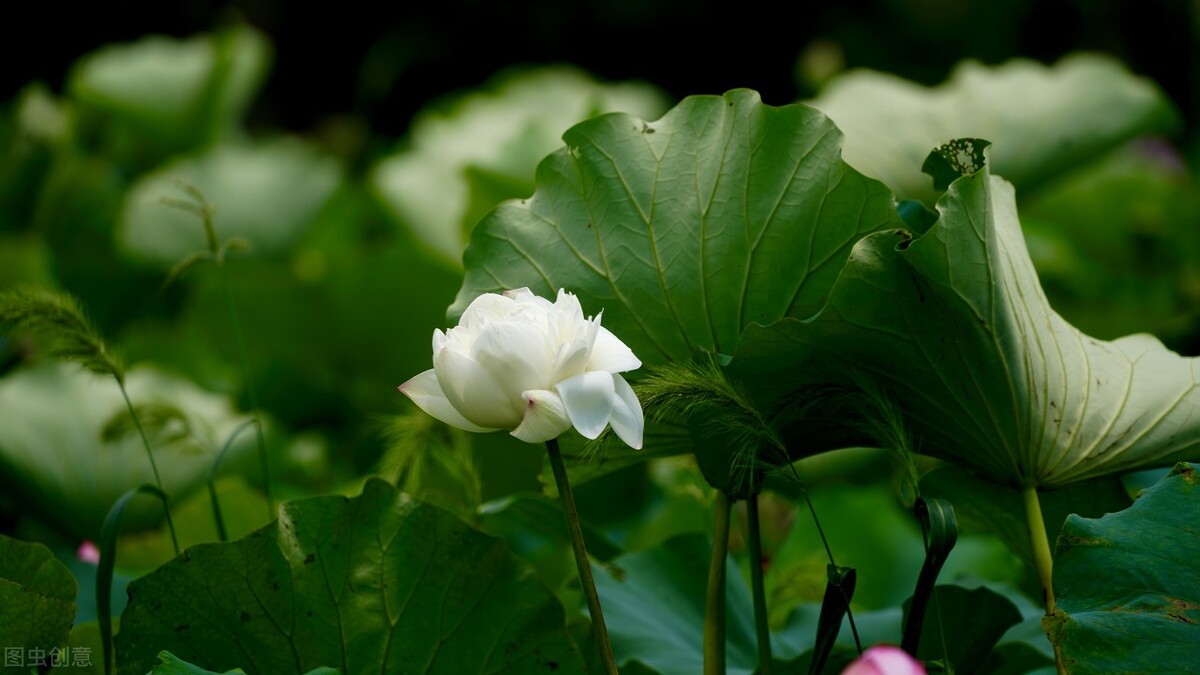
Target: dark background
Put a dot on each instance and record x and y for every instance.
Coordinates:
(380, 62)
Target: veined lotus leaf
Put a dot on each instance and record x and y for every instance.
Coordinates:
(955, 324)
(654, 605)
(169, 664)
(374, 583)
(1127, 584)
(722, 213)
(37, 599)
(58, 456)
(177, 94)
(1042, 119)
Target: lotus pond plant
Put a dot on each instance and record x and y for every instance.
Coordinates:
(721, 321)
(517, 361)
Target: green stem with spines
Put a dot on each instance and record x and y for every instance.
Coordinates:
(714, 604)
(584, 567)
(109, 533)
(1043, 558)
(222, 534)
(761, 625)
(137, 422)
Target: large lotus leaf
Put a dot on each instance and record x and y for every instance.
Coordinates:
(1127, 584)
(169, 664)
(724, 212)
(1042, 119)
(374, 582)
(37, 600)
(654, 606)
(161, 95)
(962, 625)
(266, 193)
(55, 456)
(86, 648)
(955, 324)
(468, 156)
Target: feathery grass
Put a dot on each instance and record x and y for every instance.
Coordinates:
(701, 391)
(415, 443)
(199, 206)
(860, 404)
(58, 322)
(57, 319)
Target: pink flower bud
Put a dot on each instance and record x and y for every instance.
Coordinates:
(87, 552)
(885, 660)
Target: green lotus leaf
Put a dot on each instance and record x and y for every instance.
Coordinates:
(465, 157)
(169, 664)
(85, 648)
(963, 625)
(171, 93)
(1127, 584)
(374, 582)
(654, 607)
(1042, 119)
(955, 324)
(267, 193)
(37, 600)
(56, 459)
(722, 213)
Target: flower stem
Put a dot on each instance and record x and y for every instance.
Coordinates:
(240, 340)
(1043, 560)
(714, 606)
(762, 628)
(149, 455)
(222, 534)
(581, 558)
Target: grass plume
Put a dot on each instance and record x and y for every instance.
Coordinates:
(701, 391)
(860, 405)
(416, 445)
(58, 322)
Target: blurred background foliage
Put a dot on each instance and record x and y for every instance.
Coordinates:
(355, 148)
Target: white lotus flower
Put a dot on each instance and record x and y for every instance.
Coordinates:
(517, 361)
